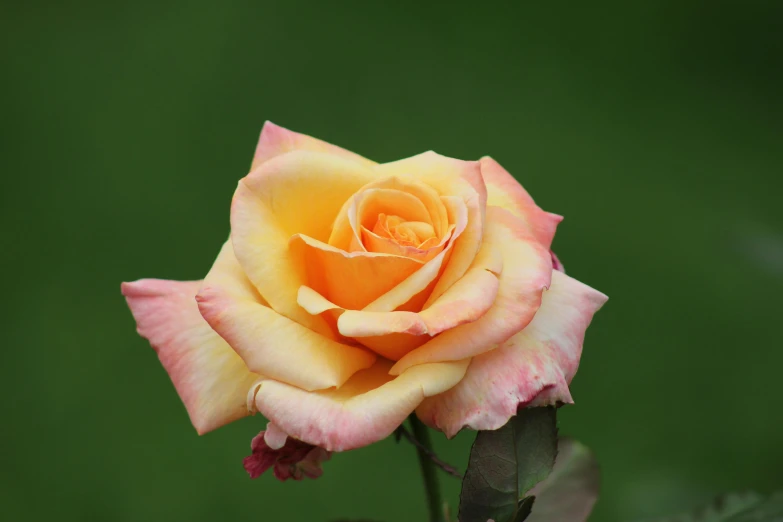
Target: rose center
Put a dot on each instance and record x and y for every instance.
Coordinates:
(404, 233)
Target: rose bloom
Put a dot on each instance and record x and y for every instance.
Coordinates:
(351, 294)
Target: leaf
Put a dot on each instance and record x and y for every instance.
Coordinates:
(767, 510)
(736, 507)
(505, 463)
(571, 490)
(524, 508)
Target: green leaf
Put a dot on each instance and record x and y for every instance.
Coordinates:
(766, 510)
(736, 507)
(570, 491)
(505, 463)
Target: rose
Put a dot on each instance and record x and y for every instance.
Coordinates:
(351, 294)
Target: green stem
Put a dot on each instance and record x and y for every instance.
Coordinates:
(428, 470)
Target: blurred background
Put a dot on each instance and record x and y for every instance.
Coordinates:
(654, 127)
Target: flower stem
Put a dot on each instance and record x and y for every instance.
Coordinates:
(428, 470)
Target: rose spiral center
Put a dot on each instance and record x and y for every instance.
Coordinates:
(404, 233)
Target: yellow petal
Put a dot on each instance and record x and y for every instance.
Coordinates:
(347, 225)
(449, 177)
(427, 278)
(269, 343)
(276, 201)
(366, 409)
(393, 334)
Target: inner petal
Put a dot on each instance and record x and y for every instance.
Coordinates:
(401, 196)
(404, 233)
(351, 280)
(393, 206)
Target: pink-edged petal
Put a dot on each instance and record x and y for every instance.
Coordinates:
(276, 141)
(211, 379)
(527, 271)
(506, 192)
(534, 367)
(298, 192)
(450, 177)
(270, 343)
(366, 409)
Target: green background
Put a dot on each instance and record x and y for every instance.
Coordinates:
(654, 127)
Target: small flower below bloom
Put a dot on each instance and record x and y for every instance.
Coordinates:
(294, 460)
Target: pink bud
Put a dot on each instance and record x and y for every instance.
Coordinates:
(294, 460)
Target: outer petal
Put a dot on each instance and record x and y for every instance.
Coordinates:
(527, 271)
(209, 376)
(506, 192)
(367, 408)
(268, 209)
(268, 342)
(276, 141)
(450, 177)
(533, 367)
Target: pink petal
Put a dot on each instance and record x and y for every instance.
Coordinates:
(506, 192)
(209, 376)
(275, 141)
(366, 409)
(294, 459)
(532, 368)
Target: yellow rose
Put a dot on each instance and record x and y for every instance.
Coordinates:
(351, 294)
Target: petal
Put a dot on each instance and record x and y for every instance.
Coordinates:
(346, 226)
(383, 245)
(533, 367)
(351, 280)
(371, 202)
(209, 376)
(419, 286)
(274, 437)
(506, 192)
(466, 301)
(276, 201)
(366, 409)
(276, 141)
(450, 177)
(270, 343)
(527, 271)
